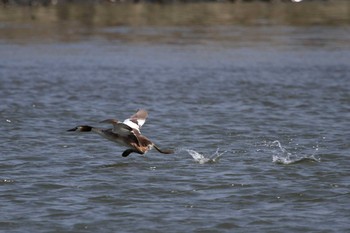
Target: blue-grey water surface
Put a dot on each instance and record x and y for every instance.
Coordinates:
(276, 106)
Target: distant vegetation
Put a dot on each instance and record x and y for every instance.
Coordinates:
(142, 22)
(55, 2)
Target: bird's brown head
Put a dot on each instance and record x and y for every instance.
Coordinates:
(81, 128)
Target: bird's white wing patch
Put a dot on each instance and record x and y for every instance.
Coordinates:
(140, 122)
(137, 120)
(132, 124)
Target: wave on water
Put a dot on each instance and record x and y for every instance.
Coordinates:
(201, 159)
(282, 156)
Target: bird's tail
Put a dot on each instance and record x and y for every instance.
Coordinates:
(168, 151)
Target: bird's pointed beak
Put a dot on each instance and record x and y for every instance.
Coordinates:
(74, 129)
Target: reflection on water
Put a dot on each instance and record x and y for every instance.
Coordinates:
(76, 21)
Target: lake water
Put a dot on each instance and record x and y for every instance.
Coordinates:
(259, 117)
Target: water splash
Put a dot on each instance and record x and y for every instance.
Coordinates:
(201, 159)
(282, 156)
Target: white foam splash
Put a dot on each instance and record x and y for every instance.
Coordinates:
(284, 157)
(201, 159)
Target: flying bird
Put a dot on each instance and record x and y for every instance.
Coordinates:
(126, 133)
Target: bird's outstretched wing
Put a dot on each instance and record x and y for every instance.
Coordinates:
(123, 130)
(137, 120)
(118, 127)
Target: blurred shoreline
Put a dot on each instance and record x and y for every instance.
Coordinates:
(74, 21)
(56, 2)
